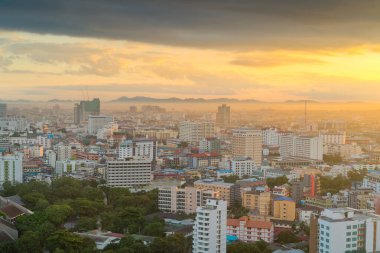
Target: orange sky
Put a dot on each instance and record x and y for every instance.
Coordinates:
(49, 65)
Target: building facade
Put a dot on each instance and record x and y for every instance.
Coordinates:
(210, 228)
(247, 143)
(129, 173)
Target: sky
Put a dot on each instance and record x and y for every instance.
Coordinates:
(272, 50)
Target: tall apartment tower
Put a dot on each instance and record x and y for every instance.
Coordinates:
(3, 110)
(11, 168)
(193, 132)
(223, 115)
(85, 109)
(247, 143)
(210, 228)
(343, 230)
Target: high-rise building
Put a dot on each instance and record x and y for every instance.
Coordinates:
(11, 168)
(129, 173)
(257, 201)
(271, 136)
(85, 109)
(3, 110)
(338, 138)
(210, 228)
(4, 143)
(193, 132)
(97, 122)
(209, 145)
(183, 200)
(64, 152)
(247, 143)
(138, 149)
(312, 182)
(223, 116)
(343, 230)
(284, 209)
(242, 166)
(226, 191)
(51, 157)
(372, 180)
(309, 147)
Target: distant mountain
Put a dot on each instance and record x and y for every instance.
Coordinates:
(141, 99)
(61, 101)
(300, 101)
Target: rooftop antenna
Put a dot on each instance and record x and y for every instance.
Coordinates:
(305, 114)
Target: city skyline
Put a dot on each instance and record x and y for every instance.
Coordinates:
(245, 50)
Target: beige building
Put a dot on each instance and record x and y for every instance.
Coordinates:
(226, 191)
(257, 201)
(247, 143)
(183, 200)
(284, 209)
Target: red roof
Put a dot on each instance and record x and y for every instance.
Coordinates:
(250, 223)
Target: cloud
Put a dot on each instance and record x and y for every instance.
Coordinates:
(208, 23)
(272, 60)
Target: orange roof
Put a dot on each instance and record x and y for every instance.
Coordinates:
(233, 222)
(259, 224)
(250, 223)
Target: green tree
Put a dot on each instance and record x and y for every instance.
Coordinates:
(287, 237)
(69, 242)
(155, 229)
(57, 214)
(9, 189)
(8, 246)
(231, 179)
(29, 242)
(272, 182)
(86, 223)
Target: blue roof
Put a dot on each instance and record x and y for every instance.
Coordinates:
(225, 171)
(284, 198)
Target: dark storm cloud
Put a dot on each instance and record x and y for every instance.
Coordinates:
(207, 23)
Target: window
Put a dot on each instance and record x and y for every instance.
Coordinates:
(348, 233)
(348, 240)
(348, 227)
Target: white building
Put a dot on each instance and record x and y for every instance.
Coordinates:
(250, 230)
(64, 152)
(11, 168)
(16, 124)
(43, 141)
(243, 166)
(193, 132)
(210, 228)
(271, 136)
(372, 180)
(309, 147)
(107, 131)
(343, 230)
(247, 143)
(138, 149)
(97, 122)
(338, 138)
(183, 200)
(51, 157)
(66, 166)
(129, 173)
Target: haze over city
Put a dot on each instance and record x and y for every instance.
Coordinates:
(178, 126)
(264, 50)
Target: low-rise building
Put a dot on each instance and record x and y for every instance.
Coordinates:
(247, 230)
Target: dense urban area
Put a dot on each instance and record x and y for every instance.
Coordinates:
(151, 178)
